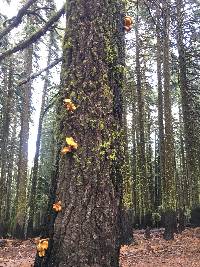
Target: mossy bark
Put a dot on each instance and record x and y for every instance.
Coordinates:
(189, 113)
(20, 201)
(87, 231)
(4, 163)
(169, 188)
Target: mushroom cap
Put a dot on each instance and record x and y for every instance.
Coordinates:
(67, 100)
(128, 21)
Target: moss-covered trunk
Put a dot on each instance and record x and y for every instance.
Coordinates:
(20, 201)
(87, 230)
(4, 178)
(169, 189)
(189, 112)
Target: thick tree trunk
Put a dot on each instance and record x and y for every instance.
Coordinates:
(87, 230)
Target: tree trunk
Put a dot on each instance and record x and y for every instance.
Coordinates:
(135, 198)
(20, 201)
(4, 148)
(87, 230)
(169, 181)
(32, 200)
(141, 142)
(161, 169)
(11, 166)
(191, 136)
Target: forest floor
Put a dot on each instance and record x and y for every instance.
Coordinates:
(183, 251)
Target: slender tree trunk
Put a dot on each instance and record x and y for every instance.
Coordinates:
(4, 147)
(20, 202)
(11, 165)
(169, 181)
(141, 142)
(32, 200)
(150, 163)
(161, 168)
(157, 190)
(134, 155)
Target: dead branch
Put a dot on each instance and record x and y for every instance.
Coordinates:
(33, 38)
(36, 74)
(15, 21)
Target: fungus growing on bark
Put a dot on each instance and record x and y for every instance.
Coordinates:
(42, 246)
(66, 150)
(71, 145)
(69, 105)
(57, 206)
(128, 23)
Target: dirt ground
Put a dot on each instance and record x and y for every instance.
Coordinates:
(17, 253)
(183, 251)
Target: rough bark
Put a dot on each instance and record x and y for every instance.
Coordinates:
(87, 231)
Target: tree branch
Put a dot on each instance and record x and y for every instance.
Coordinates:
(36, 74)
(51, 103)
(33, 13)
(17, 19)
(33, 38)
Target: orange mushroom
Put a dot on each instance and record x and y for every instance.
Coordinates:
(42, 246)
(66, 150)
(71, 143)
(128, 23)
(57, 206)
(69, 105)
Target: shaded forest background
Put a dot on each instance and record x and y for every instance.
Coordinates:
(161, 120)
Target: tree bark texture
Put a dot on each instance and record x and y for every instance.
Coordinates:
(169, 180)
(87, 231)
(190, 130)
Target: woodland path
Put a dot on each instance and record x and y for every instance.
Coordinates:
(183, 251)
